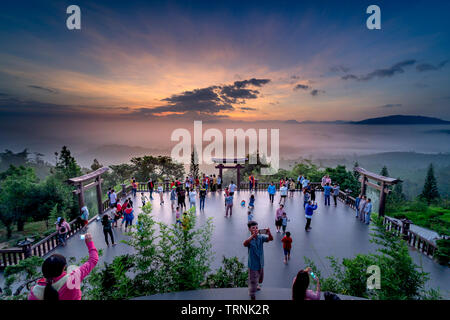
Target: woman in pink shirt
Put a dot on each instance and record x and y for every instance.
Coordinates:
(63, 228)
(61, 282)
(300, 286)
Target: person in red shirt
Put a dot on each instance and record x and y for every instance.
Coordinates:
(287, 244)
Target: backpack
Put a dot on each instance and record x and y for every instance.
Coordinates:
(62, 230)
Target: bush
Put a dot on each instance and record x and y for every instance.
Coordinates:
(232, 274)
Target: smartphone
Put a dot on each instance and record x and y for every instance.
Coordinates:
(313, 275)
(262, 231)
(82, 236)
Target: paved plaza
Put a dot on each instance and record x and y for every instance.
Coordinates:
(335, 232)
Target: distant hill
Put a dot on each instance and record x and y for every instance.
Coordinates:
(401, 120)
(114, 154)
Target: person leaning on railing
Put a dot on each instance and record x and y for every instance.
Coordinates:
(61, 282)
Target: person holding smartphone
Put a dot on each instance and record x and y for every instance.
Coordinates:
(61, 282)
(309, 210)
(300, 286)
(256, 256)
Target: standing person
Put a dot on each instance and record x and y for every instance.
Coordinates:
(227, 193)
(178, 217)
(160, 191)
(117, 215)
(300, 286)
(284, 221)
(283, 194)
(327, 193)
(306, 197)
(251, 203)
(134, 187)
(313, 194)
(107, 229)
(357, 200)
(181, 197)
(287, 244)
(130, 202)
(362, 204)
(368, 210)
(84, 217)
(305, 183)
(202, 197)
(143, 199)
(272, 189)
(291, 188)
(128, 217)
(219, 182)
(214, 183)
(112, 199)
(279, 217)
(325, 180)
(150, 187)
(299, 181)
(256, 257)
(250, 215)
(251, 182)
(232, 188)
(173, 197)
(310, 207)
(335, 193)
(63, 228)
(192, 195)
(229, 205)
(57, 276)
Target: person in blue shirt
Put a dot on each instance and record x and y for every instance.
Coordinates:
(368, 210)
(309, 210)
(256, 256)
(327, 193)
(357, 200)
(272, 189)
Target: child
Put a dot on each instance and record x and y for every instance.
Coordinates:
(160, 191)
(287, 243)
(227, 193)
(178, 216)
(229, 205)
(143, 198)
(284, 221)
(192, 195)
(306, 198)
(250, 215)
(251, 203)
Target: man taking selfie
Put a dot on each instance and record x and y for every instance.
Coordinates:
(256, 256)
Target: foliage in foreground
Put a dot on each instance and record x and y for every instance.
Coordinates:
(400, 277)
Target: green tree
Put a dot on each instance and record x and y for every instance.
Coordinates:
(430, 191)
(15, 190)
(156, 167)
(9, 158)
(194, 169)
(96, 165)
(384, 172)
(66, 165)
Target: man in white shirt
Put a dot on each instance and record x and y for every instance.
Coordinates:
(113, 199)
(283, 194)
(232, 188)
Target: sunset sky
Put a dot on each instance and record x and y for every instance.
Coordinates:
(159, 61)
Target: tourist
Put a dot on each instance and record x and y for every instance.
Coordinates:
(219, 182)
(232, 188)
(306, 198)
(173, 197)
(84, 217)
(335, 193)
(112, 198)
(130, 202)
(192, 195)
(181, 195)
(226, 193)
(57, 276)
(362, 204)
(117, 215)
(287, 244)
(256, 256)
(309, 210)
(284, 221)
(128, 217)
(312, 192)
(299, 181)
(327, 193)
(272, 189)
(305, 183)
(229, 205)
(368, 210)
(291, 188)
(251, 203)
(251, 182)
(63, 228)
(283, 194)
(143, 199)
(325, 180)
(214, 183)
(202, 197)
(107, 229)
(300, 286)
(178, 216)
(357, 201)
(278, 217)
(250, 215)
(160, 191)
(134, 187)
(150, 187)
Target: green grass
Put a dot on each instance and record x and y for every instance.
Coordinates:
(36, 230)
(434, 218)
